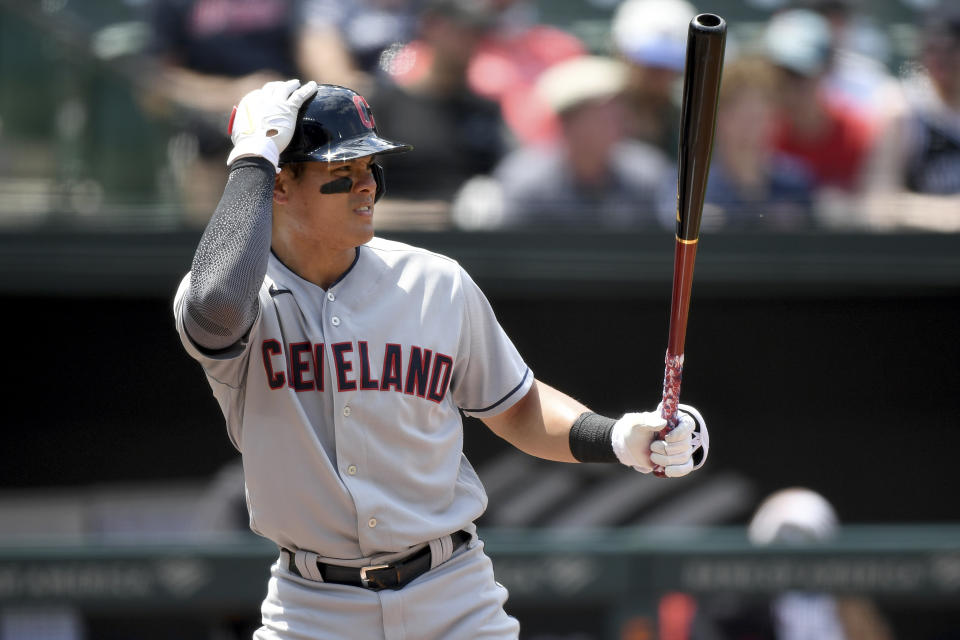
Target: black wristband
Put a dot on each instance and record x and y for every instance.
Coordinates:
(590, 439)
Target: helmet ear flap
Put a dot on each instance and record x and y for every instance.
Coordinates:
(380, 180)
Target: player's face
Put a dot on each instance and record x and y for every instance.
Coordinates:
(329, 200)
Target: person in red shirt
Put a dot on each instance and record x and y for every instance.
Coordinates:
(814, 126)
(509, 60)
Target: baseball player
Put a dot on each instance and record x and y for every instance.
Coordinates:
(342, 361)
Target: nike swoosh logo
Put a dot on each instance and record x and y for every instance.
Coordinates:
(274, 292)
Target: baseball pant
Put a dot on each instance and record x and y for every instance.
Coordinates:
(458, 599)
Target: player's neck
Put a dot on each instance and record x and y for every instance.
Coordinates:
(320, 265)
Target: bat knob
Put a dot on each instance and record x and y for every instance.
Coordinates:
(709, 22)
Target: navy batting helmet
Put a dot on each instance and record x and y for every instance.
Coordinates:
(337, 125)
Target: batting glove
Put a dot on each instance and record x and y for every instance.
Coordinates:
(262, 124)
(635, 443)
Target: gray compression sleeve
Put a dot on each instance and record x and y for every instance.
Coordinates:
(221, 303)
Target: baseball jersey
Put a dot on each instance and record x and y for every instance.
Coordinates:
(345, 402)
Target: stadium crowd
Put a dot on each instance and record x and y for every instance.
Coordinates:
(829, 119)
(521, 123)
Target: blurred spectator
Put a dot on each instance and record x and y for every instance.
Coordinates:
(213, 52)
(913, 178)
(593, 177)
(349, 41)
(857, 71)
(826, 134)
(427, 102)
(651, 37)
(751, 185)
(793, 517)
(508, 62)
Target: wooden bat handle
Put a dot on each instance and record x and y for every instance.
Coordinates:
(684, 258)
(685, 255)
(672, 375)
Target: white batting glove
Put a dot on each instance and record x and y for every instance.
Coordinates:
(262, 124)
(635, 444)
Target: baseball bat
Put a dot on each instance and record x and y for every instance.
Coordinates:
(706, 40)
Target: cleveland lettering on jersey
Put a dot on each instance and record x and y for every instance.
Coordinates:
(300, 366)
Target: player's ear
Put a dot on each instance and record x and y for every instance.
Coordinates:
(281, 186)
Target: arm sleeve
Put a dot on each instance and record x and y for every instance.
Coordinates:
(221, 302)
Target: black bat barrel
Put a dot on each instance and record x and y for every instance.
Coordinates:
(706, 40)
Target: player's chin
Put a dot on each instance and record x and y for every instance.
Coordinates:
(363, 228)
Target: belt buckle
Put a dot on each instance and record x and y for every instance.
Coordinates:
(363, 574)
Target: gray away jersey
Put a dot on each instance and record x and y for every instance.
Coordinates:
(344, 402)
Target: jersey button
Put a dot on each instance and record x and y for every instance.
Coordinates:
(372, 522)
(335, 321)
(347, 411)
(352, 469)
(330, 296)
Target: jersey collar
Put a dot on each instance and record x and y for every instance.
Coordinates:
(358, 280)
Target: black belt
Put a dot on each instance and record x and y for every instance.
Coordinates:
(380, 576)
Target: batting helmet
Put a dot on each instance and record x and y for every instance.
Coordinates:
(336, 125)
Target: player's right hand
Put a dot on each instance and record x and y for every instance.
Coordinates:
(635, 443)
(262, 124)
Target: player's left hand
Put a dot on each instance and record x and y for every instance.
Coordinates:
(263, 123)
(635, 443)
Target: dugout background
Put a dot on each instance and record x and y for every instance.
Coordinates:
(824, 361)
